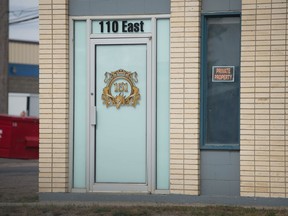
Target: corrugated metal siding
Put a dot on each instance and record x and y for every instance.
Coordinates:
(23, 52)
(23, 85)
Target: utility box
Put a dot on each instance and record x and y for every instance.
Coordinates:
(19, 137)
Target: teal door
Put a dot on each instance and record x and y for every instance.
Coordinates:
(122, 75)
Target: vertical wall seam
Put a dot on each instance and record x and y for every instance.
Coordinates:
(199, 40)
(285, 108)
(52, 112)
(254, 106)
(184, 97)
(270, 74)
(67, 96)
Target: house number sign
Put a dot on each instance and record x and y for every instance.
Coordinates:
(121, 26)
(132, 26)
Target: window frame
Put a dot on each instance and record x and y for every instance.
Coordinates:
(203, 82)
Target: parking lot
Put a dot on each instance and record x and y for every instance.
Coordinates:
(18, 180)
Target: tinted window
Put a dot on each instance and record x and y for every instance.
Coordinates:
(221, 97)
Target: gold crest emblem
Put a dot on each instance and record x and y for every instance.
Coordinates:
(120, 89)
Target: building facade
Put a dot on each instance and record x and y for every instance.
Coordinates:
(23, 78)
(169, 96)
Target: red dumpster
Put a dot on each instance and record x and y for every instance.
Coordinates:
(19, 137)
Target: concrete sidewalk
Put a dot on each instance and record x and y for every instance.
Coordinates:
(156, 199)
(19, 184)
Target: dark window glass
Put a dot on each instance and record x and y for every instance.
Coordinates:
(221, 102)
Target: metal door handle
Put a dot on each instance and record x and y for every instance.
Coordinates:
(93, 115)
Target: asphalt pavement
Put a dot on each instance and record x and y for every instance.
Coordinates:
(19, 184)
(18, 180)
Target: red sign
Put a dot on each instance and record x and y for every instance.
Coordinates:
(223, 73)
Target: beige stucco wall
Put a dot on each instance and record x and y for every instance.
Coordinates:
(264, 102)
(54, 89)
(184, 96)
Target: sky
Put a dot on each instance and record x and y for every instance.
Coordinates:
(23, 10)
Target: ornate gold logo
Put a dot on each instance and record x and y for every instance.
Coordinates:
(122, 82)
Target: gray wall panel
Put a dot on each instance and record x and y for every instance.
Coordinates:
(221, 5)
(212, 188)
(235, 5)
(116, 7)
(220, 173)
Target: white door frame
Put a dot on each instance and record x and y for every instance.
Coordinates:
(149, 187)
